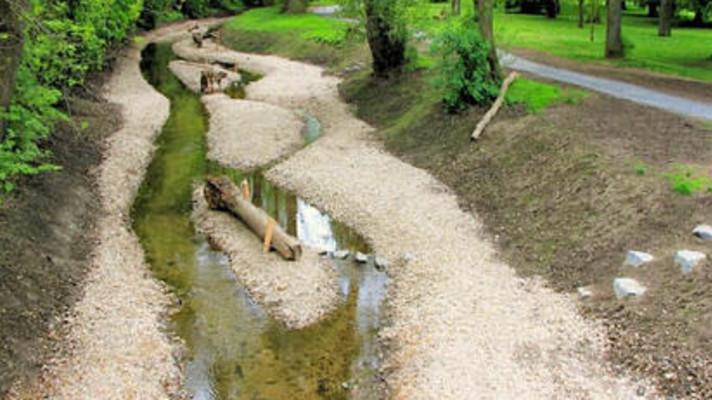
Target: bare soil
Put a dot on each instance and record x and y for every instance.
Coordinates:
(46, 235)
(559, 194)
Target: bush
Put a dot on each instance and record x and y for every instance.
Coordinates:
(465, 77)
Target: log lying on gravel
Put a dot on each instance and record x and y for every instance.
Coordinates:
(495, 107)
(222, 194)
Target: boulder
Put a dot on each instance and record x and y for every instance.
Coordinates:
(689, 259)
(703, 232)
(627, 287)
(361, 258)
(637, 258)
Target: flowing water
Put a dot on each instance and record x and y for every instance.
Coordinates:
(234, 349)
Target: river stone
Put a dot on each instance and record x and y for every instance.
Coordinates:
(189, 74)
(341, 254)
(637, 258)
(584, 292)
(627, 287)
(703, 232)
(688, 259)
(381, 263)
(361, 258)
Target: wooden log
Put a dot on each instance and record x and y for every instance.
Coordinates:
(495, 107)
(222, 194)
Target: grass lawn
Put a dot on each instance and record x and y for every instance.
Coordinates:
(688, 52)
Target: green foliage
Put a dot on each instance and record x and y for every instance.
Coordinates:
(539, 95)
(686, 180)
(640, 168)
(465, 72)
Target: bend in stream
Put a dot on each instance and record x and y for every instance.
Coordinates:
(235, 349)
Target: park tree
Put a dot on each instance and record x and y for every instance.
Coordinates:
(486, 27)
(614, 40)
(456, 8)
(386, 34)
(666, 13)
(294, 6)
(11, 42)
(581, 13)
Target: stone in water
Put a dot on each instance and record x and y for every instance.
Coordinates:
(361, 258)
(341, 254)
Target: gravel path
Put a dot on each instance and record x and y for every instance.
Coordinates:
(622, 90)
(463, 324)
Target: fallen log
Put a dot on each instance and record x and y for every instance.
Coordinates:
(222, 194)
(495, 107)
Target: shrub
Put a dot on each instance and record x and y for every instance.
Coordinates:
(465, 77)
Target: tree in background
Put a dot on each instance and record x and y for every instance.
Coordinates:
(665, 20)
(456, 9)
(486, 27)
(10, 52)
(386, 33)
(294, 6)
(614, 40)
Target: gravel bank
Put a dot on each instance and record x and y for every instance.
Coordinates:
(115, 345)
(297, 293)
(246, 134)
(464, 325)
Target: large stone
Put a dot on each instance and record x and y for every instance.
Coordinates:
(637, 258)
(627, 287)
(689, 259)
(703, 232)
(341, 254)
(361, 258)
(381, 263)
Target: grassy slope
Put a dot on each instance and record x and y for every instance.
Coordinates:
(688, 52)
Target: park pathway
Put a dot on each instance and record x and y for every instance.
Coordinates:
(622, 90)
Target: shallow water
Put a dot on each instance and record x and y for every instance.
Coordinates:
(235, 349)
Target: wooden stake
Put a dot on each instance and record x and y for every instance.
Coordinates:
(268, 236)
(495, 107)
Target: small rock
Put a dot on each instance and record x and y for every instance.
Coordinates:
(322, 251)
(688, 259)
(703, 232)
(584, 292)
(627, 287)
(637, 258)
(361, 258)
(345, 385)
(641, 391)
(341, 254)
(381, 263)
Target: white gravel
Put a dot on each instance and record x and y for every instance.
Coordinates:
(463, 324)
(297, 293)
(246, 134)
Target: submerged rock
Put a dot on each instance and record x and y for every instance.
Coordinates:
(627, 287)
(340, 254)
(637, 258)
(689, 259)
(381, 263)
(361, 258)
(703, 232)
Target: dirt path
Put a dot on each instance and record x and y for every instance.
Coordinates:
(463, 324)
(628, 91)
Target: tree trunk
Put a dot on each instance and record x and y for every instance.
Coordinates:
(624, 5)
(294, 6)
(699, 19)
(222, 194)
(387, 46)
(581, 13)
(485, 23)
(552, 8)
(456, 7)
(10, 53)
(652, 10)
(665, 17)
(614, 41)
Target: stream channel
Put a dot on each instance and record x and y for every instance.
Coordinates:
(234, 349)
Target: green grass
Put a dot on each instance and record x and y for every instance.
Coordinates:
(307, 26)
(688, 52)
(538, 95)
(687, 180)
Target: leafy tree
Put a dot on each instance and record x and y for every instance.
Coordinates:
(614, 40)
(665, 20)
(486, 28)
(11, 40)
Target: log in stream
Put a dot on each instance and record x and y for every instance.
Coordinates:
(234, 349)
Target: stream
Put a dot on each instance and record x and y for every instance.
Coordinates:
(234, 349)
